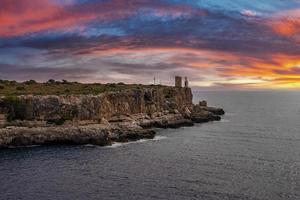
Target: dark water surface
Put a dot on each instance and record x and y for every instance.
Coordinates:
(253, 153)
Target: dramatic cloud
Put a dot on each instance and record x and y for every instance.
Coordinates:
(30, 16)
(287, 23)
(218, 43)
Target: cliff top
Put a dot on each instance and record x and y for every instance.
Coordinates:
(64, 87)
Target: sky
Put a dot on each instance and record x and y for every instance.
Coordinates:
(217, 44)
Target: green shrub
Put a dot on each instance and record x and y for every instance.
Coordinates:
(20, 88)
(30, 82)
(64, 117)
(16, 109)
(4, 82)
(61, 88)
(12, 82)
(112, 85)
(51, 81)
(65, 82)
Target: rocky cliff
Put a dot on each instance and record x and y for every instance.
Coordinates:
(99, 119)
(95, 107)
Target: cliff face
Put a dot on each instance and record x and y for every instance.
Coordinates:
(98, 119)
(94, 108)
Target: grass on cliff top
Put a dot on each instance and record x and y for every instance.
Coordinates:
(52, 87)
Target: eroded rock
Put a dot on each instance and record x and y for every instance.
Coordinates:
(99, 119)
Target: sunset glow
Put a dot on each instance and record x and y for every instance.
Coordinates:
(217, 44)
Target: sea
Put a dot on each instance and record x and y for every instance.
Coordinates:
(252, 153)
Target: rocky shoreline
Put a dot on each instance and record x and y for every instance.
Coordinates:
(99, 120)
(123, 129)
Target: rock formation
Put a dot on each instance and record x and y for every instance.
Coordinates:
(98, 119)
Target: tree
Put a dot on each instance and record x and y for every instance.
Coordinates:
(51, 81)
(30, 82)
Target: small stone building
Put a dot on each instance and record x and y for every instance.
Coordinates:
(178, 81)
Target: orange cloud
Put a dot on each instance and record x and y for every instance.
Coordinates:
(287, 23)
(29, 16)
(218, 68)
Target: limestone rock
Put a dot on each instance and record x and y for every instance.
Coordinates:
(99, 119)
(203, 103)
(90, 134)
(56, 109)
(216, 111)
(187, 113)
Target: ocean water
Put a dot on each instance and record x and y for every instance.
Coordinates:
(253, 153)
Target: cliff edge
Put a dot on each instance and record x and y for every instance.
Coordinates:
(101, 119)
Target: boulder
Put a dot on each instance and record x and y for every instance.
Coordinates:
(204, 116)
(187, 113)
(167, 121)
(202, 103)
(216, 111)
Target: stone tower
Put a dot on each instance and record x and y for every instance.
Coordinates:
(186, 82)
(178, 81)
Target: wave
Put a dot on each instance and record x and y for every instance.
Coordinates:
(225, 120)
(119, 144)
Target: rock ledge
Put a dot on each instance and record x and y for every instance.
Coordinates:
(100, 120)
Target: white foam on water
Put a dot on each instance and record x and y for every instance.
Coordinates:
(159, 138)
(119, 144)
(225, 120)
(115, 145)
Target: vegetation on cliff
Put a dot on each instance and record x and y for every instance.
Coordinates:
(52, 87)
(54, 112)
